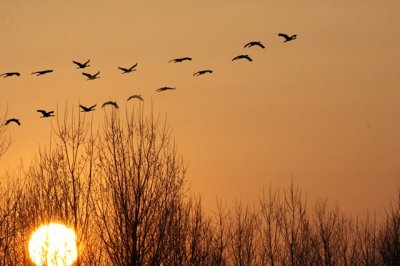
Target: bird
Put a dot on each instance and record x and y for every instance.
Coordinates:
(87, 109)
(10, 74)
(128, 70)
(135, 96)
(178, 60)
(80, 65)
(90, 76)
(164, 89)
(45, 114)
(42, 72)
(202, 72)
(251, 44)
(242, 56)
(110, 103)
(15, 120)
(287, 37)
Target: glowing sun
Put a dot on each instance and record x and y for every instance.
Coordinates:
(53, 244)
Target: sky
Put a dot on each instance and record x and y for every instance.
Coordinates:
(322, 110)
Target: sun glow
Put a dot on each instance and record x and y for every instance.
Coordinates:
(53, 244)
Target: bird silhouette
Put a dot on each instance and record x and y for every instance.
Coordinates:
(135, 97)
(42, 72)
(251, 44)
(110, 103)
(15, 120)
(164, 89)
(178, 60)
(242, 56)
(90, 76)
(80, 65)
(128, 70)
(10, 74)
(287, 37)
(202, 72)
(87, 109)
(45, 114)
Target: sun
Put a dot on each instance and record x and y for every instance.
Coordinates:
(53, 244)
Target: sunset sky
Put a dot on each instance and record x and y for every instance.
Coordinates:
(323, 109)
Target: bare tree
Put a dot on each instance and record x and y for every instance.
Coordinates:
(142, 179)
(270, 228)
(243, 234)
(389, 235)
(60, 181)
(296, 228)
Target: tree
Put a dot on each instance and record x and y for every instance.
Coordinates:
(141, 181)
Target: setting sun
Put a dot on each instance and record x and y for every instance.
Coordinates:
(53, 244)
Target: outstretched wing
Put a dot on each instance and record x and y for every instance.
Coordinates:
(135, 65)
(93, 106)
(124, 69)
(248, 58)
(43, 112)
(87, 75)
(77, 63)
(284, 35)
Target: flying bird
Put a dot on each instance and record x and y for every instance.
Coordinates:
(87, 109)
(287, 37)
(202, 72)
(45, 114)
(251, 44)
(90, 76)
(135, 97)
(15, 120)
(164, 89)
(10, 74)
(110, 103)
(80, 65)
(242, 56)
(128, 70)
(42, 72)
(178, 60)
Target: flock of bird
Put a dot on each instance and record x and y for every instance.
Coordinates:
(47, 114)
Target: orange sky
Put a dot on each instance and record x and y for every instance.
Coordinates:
(323, 109)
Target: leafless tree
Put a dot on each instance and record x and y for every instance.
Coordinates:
(389, 235)
(142, 179)
(60, 179)
(296, 228)
(243, 235)
(270, 228)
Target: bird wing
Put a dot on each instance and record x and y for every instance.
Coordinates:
(260, 44)
(248, 45)
(83, 107)
(283, 35)
(248, 58)
(110, 103)
(87, 62)
(95, 75)
(135, 65)
(93, 106)
(41, 111)
(87, 75)
(77, 63)
(50, 112)
(124, 69)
